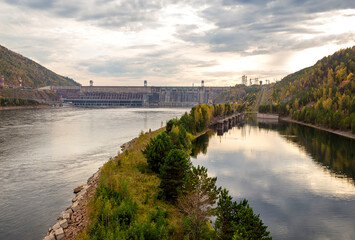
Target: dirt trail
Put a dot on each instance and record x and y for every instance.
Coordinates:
(260, 98)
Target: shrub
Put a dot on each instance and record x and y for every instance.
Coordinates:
(116, 211)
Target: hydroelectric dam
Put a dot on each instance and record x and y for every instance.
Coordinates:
(136, 96)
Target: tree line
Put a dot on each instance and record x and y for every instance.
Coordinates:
(11, 102)
(242, 95)
(190, 188)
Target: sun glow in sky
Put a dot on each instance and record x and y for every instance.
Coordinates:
(175, 42)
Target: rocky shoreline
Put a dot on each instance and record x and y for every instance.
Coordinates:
(75, 219)
(127, 145)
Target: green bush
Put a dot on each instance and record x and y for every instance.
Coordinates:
(154, 228)
(157, 150)
(171, 123)
(11, 102)
(116, 212)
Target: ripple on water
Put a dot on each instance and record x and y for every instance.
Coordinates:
(45, 153)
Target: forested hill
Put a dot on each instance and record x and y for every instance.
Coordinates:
(333, 72)
(241, 94)
(323, 94)
(14, 65)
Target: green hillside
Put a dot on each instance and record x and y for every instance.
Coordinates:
(322, 94)
(14, 65)
(241, 94)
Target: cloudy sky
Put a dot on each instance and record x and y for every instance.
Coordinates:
(123, 42)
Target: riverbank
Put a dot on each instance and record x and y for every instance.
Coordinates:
(347, 134)
(130, 167)
(75, 218)
(67, 145)
(24, 107)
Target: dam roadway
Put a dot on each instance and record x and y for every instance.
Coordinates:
(136, 96)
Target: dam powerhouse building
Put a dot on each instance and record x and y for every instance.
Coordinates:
(136, 96)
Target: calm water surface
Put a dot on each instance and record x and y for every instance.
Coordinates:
(300, 180)
(45, 153)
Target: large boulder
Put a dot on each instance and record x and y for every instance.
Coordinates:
(80, 187)
(59, 233)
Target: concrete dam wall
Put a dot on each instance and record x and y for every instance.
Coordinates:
(110, 96)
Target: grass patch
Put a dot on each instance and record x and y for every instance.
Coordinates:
(126, 205)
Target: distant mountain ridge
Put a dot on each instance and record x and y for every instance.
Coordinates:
(14, 65)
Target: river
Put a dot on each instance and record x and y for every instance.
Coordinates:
(45, 153)
(299, 179)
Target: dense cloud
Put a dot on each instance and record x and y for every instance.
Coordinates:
(105, 13)
(176, 39)
(267, 26)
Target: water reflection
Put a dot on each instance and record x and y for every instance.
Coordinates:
(334, 152)
(299, 179)
(45, 153)
(200, 144)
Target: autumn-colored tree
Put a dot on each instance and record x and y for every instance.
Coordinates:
(196, 203)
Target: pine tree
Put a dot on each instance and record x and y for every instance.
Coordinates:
(237, 221)
(224, 221)
(157, 150)
(173, 173)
